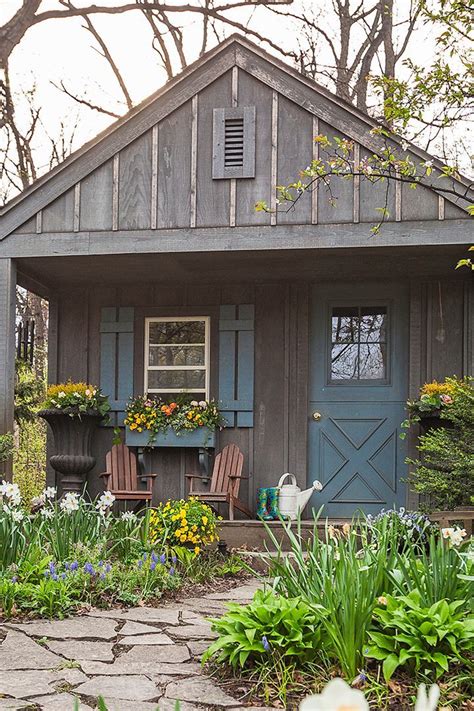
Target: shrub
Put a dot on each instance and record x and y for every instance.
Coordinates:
(426, 639)
(445, 473)
(6, 446)
(270, 625)
(190, 523)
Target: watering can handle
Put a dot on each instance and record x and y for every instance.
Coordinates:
(283, 477)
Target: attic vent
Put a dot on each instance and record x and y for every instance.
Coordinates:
(234, 143)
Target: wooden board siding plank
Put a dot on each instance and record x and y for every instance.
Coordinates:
(135, 184)
(298, 348)
(7, 343)
(27, 227)
(445, 335)
(419, 204)
(266, 237)
(174, 168)
(212, 196)
(106, 144)
(39, 222)
(77, 206)
(115, 190)
(96, 199)
(376, 195)
(73, 346)
(295, 149)
(253, 93)
(416, 372)
(274, 160)
(269, 384)
(193, 168)
(154, 177)
(58, 216)
(315, 156)
(342, 191)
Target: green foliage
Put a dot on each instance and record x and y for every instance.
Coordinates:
(445, 473)
(427, 639)
(29, 458)
(6, 446)
(270, 625)
(29, 392)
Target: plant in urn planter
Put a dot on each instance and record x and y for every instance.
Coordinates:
(73, 411)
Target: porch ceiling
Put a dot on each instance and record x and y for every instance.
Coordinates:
(57, 273)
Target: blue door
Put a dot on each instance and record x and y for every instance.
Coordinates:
(358, 390)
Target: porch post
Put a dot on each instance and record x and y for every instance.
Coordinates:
(7, 343)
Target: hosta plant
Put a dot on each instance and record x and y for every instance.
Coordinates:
(429, 640)
(270, 625)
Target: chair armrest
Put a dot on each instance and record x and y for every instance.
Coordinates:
(147, 476)
(195, 476)
(105, 474)
(234, 476)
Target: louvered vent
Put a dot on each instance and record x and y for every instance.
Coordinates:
(234, 142)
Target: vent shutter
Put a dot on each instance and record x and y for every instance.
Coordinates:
(234, 142)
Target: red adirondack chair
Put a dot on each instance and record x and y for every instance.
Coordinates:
(225, 482)
(121, 477)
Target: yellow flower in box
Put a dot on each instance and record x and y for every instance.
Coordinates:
(204, 520)
(183, 539)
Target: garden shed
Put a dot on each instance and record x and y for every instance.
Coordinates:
(147, 239)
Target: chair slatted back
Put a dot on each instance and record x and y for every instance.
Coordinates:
(122, 464)
(229, 461)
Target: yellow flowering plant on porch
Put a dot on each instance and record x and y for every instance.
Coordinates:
(76, 399)
(188, 523)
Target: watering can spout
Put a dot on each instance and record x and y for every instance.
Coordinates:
(304, 496)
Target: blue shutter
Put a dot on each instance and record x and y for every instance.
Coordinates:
(236, 364)
(116, 359)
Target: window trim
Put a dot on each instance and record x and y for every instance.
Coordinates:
(207, 354)
(375, 382)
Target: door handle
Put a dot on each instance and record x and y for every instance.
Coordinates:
(316, 416)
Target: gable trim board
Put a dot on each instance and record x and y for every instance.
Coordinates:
(219, 239)
(236, 51)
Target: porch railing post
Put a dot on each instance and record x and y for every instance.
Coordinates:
(7, 343)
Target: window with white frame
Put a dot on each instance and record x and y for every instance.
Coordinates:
(177, 357)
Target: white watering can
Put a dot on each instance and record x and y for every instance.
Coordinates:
(291, 499)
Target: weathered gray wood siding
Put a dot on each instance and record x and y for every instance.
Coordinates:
(441, 344)
(163, 178)
(265, 446)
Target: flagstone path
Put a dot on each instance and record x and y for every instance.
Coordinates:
(138, 659)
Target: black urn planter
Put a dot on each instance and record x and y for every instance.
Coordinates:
(72, 442)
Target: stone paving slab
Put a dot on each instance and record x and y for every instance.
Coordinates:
(28, 683)
(131, 628)
(59, 702)
(200, 690)
(138, 659)
(132, 688)
(71, 628)
(77, 650)
(18, 651)
(174, 654)
(147, 639)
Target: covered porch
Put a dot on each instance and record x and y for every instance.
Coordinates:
(280, 286)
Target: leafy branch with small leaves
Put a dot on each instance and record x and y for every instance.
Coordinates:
(392, 163)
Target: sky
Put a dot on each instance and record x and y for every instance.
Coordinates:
(60, 50)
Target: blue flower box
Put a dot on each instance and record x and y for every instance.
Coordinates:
(200, 437)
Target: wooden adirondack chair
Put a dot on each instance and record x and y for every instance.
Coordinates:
(121, 477)
(225, 482)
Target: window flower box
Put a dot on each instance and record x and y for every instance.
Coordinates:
(199, 437)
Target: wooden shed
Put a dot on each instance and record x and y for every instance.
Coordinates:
(153, 223)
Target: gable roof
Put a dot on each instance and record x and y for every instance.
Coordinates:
(234, 51)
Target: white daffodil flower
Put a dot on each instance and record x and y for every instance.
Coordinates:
(70, 502)
(427, 701)
(337, 696)
(50, 492)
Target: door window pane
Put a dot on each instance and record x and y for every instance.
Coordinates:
(359, 343)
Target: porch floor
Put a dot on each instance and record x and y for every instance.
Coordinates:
(252, 535)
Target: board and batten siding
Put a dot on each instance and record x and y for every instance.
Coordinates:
(163, 178)
(441, 344)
